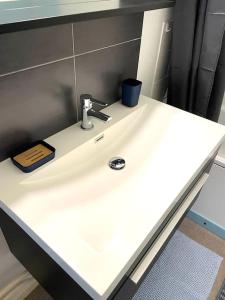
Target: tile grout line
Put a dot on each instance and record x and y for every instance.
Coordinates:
(75, 74)
(110, 46)
(68, 57)
(36, 66)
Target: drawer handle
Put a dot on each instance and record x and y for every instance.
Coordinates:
(164, 235)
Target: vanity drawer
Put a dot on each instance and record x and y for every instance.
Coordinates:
(141, 270)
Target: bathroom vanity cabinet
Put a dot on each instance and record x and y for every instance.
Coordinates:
(85, 231)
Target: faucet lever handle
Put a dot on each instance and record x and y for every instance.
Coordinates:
(86, 102)
(100, 103)
(87, 99)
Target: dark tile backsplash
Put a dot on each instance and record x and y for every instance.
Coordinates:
(99, 33)
(107, 68)
(42, 100)
(36, 104)
(29, 48)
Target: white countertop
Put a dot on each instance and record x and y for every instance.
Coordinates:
(94, 221)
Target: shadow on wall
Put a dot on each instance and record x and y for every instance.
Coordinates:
(13, 139)
(113, 92)
(66, 97)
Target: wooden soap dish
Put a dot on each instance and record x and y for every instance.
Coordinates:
(34, 156)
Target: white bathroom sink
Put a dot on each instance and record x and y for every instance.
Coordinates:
(84, 178)
(93, 220)
(85, 174)
(92, 156)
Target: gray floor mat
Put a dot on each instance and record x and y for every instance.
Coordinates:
(185, 270)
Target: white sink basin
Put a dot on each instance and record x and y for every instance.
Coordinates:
(83, 177)
(84, 186)
(93, 220)
(92, 156)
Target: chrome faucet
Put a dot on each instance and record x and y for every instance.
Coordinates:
(87, 110)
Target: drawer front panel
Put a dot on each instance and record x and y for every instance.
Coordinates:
(148, 259)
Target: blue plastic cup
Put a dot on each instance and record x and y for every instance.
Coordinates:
(131, 89)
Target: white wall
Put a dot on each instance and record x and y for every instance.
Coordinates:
(155, 52)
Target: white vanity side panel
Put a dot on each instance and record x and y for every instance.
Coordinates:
(211, 201)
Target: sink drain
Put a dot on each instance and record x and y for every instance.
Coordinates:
(117, 163)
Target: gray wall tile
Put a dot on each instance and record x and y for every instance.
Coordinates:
(95, 34)
(41, 101)
(19, 50)
(35, 104)
(100, 73)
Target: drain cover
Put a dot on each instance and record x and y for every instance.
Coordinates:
(117, 163)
